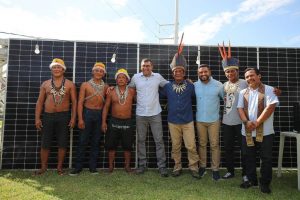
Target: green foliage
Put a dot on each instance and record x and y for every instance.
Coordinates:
(119, 185)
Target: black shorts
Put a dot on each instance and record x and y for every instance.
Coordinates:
(119, 129)
(55, 124)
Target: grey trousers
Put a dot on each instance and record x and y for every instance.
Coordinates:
(155, 123)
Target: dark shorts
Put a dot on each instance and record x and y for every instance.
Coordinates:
(55, 124)
(119, 129)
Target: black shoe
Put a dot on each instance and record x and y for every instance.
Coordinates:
(75, 172)
(94, 171)
(195, 174)
(163, 172)
(176, 173)
(216, 175)
(140, 170)
(202, 171)
(228, 175)
(265, 189)
(248, 184)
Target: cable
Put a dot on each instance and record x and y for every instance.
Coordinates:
(148, 12)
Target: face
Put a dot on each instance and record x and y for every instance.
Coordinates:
(232, 75)
(57, 71)
(121, 80)
(178, 74)
(147, 68)
(98, 73)
(204, 74)
(252, 78)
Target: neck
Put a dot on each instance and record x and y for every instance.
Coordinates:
(57, 78)
(255, 86)
(179, 81)
(122, 87)
(96, 80)
(234, 80)
(205, 82)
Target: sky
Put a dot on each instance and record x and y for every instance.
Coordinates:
(264, 23)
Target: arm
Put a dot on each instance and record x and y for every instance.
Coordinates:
(39, 107)
(81, 124)
(74, 105)
(267, 112)
(105, 112)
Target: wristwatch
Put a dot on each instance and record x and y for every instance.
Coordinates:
(245, 122)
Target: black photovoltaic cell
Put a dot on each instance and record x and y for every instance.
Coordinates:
(26, 72)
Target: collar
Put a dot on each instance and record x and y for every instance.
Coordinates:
(142, 75)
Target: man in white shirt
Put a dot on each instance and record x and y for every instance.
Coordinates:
(148, 111)
(256, 106)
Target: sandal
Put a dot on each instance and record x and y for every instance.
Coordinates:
(60, 172)
(39, 172)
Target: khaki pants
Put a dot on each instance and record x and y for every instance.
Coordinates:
(187, 132)
(212, 131)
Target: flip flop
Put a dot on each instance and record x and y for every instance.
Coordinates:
(39, 172)
(60, 172)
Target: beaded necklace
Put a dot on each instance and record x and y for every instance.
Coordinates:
(231, 87)
(122, 96)
(58, 93)
(179, 88)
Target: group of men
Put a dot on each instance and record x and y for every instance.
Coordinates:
(248, 117)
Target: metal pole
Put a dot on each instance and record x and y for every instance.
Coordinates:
(176, 23)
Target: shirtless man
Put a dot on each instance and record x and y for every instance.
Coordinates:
(55, 97)
(120, 125)
(90, 103)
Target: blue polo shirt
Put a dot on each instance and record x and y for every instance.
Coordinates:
(208, 100)
(179, 104)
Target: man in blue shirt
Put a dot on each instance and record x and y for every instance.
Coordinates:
(180, 116)
(148, 111)
(208, 94)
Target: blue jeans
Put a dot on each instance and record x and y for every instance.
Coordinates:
(92, 133)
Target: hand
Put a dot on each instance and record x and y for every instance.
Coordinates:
(109, 89)
(81, 124)
(104, 127)
(38, 124)
(72, 123)
(277, 92)
(189, 80)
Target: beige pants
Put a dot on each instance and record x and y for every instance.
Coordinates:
(209, 131)
(187, 132)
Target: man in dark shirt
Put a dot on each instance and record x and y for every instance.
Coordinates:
(180, 116)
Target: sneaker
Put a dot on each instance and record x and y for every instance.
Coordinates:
(195, 174)
(163, 172)
(216, 175)
(140, 170)
(94, 171)
(202, 171)
(245, 178)
(228, 175)
(75, 172)
(265, 189)
(248, 184)
(176, 173)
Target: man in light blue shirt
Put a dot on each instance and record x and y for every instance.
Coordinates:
(208, 94)
(148, 111)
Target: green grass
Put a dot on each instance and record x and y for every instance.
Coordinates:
(119, 185)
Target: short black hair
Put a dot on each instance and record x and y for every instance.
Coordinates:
(204, 65)
(257, 72)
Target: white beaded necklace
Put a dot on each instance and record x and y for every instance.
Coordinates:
(122, 96)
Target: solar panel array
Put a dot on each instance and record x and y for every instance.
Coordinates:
(27, 70)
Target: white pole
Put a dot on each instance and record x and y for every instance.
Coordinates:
(176, 23)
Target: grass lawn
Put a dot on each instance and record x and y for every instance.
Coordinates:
(119, 185)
